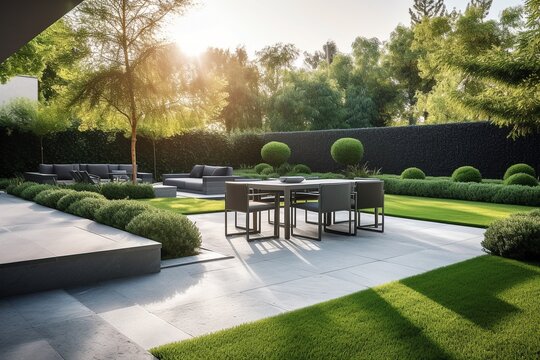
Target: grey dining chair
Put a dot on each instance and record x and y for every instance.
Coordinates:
(238, 198)
(331, 198)
(370, 195)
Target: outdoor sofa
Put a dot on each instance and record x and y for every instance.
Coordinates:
(62, 173)
(203, 179)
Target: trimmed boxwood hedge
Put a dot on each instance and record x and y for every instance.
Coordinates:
(467, 174)
(493, 193)
(178, 235)
(118, 213)
(66, 201)
(87, 207)
(516, 236)
(521, 179)
(413, 173)
(32, 191)
(118, 191)
(519, 169)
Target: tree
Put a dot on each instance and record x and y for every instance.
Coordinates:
(423, 9)
(482, 5)
(244, 105)
(37, 118)
(330, 50)
(131, 68)
(275, 60)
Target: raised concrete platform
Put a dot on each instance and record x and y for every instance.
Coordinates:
(46, 249)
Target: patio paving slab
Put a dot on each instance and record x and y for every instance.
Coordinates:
(119, 318)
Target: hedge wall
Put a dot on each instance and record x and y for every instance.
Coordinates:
(436, 149)
(20, 151)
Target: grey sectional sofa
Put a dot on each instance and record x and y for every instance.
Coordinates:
(203, 179)
(60, 173)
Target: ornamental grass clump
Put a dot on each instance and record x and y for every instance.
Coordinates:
(516, 237)
(177, 234)
(413, 173)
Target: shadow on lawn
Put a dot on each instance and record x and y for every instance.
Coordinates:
(362, 325)
(472, 288)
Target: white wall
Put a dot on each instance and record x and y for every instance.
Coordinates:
(19, 87)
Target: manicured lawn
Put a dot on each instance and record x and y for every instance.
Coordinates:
(441, 210)
(484, 308)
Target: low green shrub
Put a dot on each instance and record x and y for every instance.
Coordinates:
(283, 169)
(260, 167)
(331, 175)
(49, 198)
(301, 169)
(84, 187)
(118, 191)
(178, 235)
(87, 207)
(66, 201)
(467, 174)
(413, 173)
(347, 151)
(19, 188)
(267, 171)
(519, 169)
(10, 188)
(516, 237)
(275, 153)
(521, 179)
(31, 192)
(445, 189)
(118, 213)
(4, 183)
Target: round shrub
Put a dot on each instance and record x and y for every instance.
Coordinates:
(18, 189)
(4, 183)
(118, 191)
(49, 198)
(177, 234)
(521, 179)
(267, 171)
(87, 207)
(301, 169)
(275, 153)
(283, 169)
(347, 151)
(69, 199)
(10, 187)
(467, 174)
(519, 169)
(31, 192)
(516, 237)
(413, 173)
(118, 213)
(260, 167)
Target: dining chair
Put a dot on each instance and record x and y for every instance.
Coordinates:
(331, 198)
(370, 195)
(238, 198)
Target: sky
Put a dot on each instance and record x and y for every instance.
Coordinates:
(306, 23)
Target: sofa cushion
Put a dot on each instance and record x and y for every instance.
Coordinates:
(101, 170)
(193, 184)
(197, 171)
(179, 183)
(82, 167)
(209, 170)
(127, 167)
(46, 168)
(62, 171)
(220, 171)
(112, 167)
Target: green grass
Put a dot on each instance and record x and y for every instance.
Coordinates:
(484, 308)
(440, 210)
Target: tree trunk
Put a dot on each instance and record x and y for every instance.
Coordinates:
(155, 164)
(41, 148)
(134, 154)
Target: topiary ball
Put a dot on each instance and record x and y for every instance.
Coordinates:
(518, 169)
(521, 179)
(260, 167)
(347, 151)
(267, 171)
(413, 173)
(275, 153)
(467, 174)
(301, 169)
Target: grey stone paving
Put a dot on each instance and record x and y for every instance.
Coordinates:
(120, 318)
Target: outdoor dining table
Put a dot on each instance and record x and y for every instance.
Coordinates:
(287, 188)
